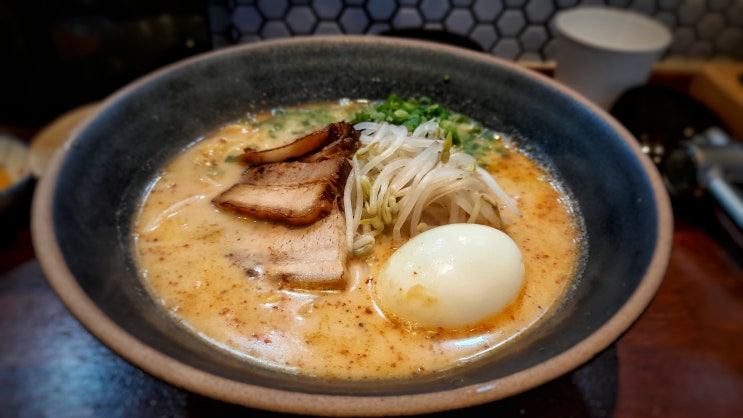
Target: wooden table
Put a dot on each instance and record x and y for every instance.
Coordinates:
(683, 357)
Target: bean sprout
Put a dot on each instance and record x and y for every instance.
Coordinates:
(404, 183)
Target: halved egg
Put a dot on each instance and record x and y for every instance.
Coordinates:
(451, 276)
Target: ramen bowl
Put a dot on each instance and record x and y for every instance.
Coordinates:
(84, 206)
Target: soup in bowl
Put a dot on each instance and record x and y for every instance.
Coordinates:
(459, 258)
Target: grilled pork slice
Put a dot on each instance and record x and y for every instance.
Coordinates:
(295, 193)
(344, 146)
(298, 189)
(290, 204)
(298, 172)
(301, 146)
(311, 257)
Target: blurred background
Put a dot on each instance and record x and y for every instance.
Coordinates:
(60, 54)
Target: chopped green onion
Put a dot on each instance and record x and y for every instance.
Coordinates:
(415, 111)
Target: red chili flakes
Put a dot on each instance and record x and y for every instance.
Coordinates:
(236, 323)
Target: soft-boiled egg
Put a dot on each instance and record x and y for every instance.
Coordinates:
(451, 276)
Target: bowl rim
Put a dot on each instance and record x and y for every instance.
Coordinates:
(185, 376)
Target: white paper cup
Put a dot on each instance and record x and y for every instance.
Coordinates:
(601, 52)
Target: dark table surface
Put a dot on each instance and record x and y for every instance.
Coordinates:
(682, 358)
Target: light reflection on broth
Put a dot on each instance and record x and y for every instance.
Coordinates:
(182, 242)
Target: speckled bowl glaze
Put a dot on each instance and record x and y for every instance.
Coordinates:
(84, 206)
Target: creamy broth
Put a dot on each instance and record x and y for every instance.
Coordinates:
(182, 243)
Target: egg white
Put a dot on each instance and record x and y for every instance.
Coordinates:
(451, 276)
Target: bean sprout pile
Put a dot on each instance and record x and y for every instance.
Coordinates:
(407, 182)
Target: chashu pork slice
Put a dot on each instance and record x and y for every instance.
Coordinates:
(298, 191)
(343, 146)
(311, 257)
(294, 193)
(301, 146)
(332, 170)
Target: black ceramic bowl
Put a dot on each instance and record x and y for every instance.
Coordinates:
(84, 207)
